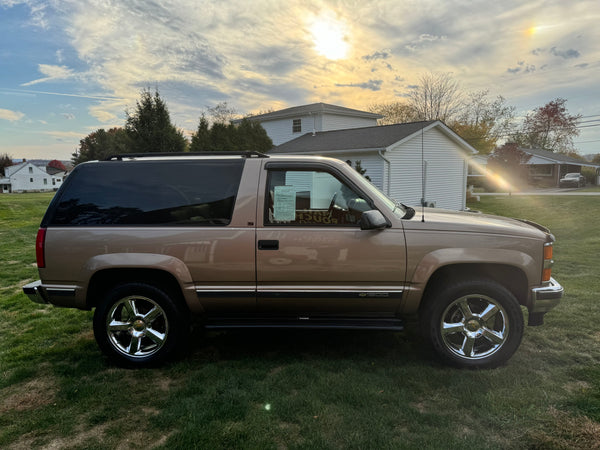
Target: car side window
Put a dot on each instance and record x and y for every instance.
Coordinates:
(311, 198)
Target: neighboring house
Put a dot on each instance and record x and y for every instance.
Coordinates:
(412, 163)
(27, 177)
(287, 124)
(547, 168)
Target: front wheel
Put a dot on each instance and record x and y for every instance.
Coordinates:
(138, 325)
(477, 324)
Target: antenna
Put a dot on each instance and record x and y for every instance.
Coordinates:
(422, 176)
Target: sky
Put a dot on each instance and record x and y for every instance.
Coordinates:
(70, 67)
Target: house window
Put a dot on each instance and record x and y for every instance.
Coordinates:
(31, 170)
(45, 181)
(297, 126)
(31, 180)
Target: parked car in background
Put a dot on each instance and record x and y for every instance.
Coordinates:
(572, 180)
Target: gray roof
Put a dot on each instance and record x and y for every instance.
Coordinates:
(557, 158)
(314, 108)
(367, 138)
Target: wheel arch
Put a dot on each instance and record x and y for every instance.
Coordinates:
(105, 280)
(511, 277)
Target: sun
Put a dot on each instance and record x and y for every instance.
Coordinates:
(329, 37)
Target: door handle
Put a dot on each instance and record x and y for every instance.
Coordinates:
(268, 245)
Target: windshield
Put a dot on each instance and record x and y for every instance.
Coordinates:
(572, 175)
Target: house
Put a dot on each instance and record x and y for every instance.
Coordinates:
(415, 163)
(28, 177)
(547, 168)
(287, 124)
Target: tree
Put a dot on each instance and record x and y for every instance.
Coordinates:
(56, 164)
(201, 138)
(222, 113)
(5, 161)
(101, 144)
(437, 97)
(394, 112)
(247, 135)
(549, 127)
(150, 129)
(507, 165)
(482, 122)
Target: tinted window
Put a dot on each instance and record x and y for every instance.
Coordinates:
(185, 192)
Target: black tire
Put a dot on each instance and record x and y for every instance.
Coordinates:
(473, 323)
(139, 325)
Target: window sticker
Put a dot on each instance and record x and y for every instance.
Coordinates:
(284, 203)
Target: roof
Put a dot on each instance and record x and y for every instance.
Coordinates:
(367, 138)
(313, 108)
(556, 158)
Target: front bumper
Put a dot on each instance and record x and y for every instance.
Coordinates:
(543, 299)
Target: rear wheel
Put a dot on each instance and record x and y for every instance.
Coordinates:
(476, 323)
(139, 325)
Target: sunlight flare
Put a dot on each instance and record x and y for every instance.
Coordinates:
(329, 37)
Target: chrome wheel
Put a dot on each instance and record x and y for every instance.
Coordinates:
(474, 327)
(137, 326)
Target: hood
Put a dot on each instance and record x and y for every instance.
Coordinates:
(468, 222)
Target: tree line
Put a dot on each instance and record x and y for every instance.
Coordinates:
(148, 129)
(482, 121)
(485, 122)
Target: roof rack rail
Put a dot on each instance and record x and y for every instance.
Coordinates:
(248, 154)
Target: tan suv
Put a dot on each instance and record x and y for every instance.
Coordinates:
(248, 240)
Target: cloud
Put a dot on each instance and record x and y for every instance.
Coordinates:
(372, 85)
(377, 55)
(68, 116)
(521, 67)
(53, 73)
(11, 116)
(565, 54)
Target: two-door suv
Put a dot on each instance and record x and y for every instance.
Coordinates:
(248, 240)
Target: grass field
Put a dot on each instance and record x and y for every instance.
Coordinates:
(285, 389)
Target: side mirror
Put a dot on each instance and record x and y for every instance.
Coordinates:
(373, 220)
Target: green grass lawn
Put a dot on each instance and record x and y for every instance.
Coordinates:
(291, 389)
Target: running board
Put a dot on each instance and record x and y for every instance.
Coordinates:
(388, 324)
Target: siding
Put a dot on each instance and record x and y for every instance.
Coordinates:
(337, 122)
(280, 130)
(372, 162)
(445, 171)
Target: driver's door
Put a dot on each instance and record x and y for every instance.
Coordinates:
(312, 256)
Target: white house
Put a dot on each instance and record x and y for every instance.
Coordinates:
(290, 123)
(27, 177)
(415, 163)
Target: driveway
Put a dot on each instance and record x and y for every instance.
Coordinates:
(545, 191)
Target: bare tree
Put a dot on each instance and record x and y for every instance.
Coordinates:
(482, 122)
(437, 97)
(394, 112)
(222, 113)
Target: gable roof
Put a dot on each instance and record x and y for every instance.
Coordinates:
(556, 158)
(366, 138)
(313, 108)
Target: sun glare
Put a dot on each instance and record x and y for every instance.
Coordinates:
(329, 37)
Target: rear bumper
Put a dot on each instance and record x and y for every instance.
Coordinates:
(35, 292)
(59, 295)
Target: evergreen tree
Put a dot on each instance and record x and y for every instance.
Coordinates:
(150, 129)
(201, 138)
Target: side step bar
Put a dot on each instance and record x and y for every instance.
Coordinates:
(388, 324)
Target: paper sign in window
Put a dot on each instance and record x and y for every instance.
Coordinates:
(284, 203)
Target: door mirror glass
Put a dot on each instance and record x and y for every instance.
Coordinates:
(373, 220)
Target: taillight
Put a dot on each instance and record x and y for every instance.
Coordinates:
(39, 248)
(548, 262)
